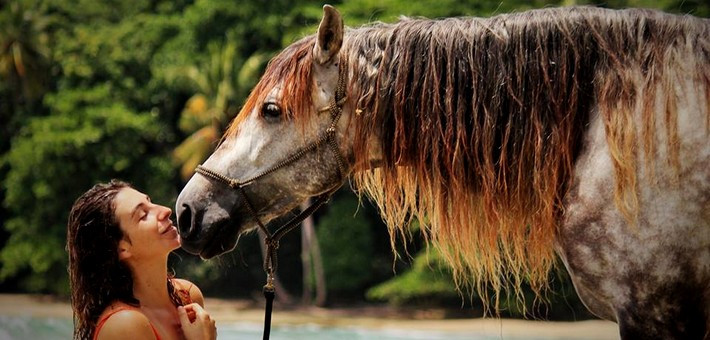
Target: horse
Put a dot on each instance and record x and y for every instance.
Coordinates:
(580, 133)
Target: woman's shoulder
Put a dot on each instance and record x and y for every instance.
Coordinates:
(119, 320)
(191, 289)
(116, 307)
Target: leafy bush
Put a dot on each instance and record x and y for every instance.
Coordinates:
(56, 158)
(429, 282)
(346, 245)
(428, 279)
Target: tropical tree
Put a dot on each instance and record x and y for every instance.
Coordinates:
(220, 83)
(24, 64)
(53, 160)
(103, 124)
(24, 49)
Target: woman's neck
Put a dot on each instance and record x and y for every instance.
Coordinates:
(150, 283)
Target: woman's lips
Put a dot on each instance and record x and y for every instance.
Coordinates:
(170, 228)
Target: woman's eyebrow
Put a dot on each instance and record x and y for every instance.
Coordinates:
(139, 205)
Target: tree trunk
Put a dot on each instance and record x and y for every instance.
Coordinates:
(306, 264)
(312, 262)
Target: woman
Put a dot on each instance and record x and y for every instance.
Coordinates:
(118, 243)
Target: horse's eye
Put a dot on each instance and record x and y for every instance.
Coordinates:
(271, 111)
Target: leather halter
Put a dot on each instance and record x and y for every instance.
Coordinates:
(328, 137)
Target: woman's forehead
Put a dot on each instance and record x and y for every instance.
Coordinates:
(127, 200)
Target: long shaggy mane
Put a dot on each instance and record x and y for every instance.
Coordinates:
(481, 121)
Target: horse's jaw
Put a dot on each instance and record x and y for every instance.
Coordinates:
(219, 238)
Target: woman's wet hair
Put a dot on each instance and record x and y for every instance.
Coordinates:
(96, 275)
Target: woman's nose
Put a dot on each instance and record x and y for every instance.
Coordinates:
(164, 213)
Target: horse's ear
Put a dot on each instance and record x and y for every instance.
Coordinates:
(330, 35)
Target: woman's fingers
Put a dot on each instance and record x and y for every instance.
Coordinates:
(191, 315)
(199, 326)
(182, 314)
(195, 311)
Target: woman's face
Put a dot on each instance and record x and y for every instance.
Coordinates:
(146, 226)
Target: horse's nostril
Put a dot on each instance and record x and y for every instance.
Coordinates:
(186, 222)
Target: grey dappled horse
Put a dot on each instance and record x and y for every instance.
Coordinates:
(577, 131)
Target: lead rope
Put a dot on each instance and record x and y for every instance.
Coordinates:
(272, 240)
(270, 264)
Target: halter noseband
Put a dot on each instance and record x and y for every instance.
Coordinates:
(328, 137)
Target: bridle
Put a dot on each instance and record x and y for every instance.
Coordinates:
(328, 137)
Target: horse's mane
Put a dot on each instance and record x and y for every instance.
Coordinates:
(481, 120)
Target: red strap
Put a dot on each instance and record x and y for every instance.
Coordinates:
(103, 320)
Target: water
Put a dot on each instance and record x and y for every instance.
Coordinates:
(317, 332)
(26, 328)
(30, 328)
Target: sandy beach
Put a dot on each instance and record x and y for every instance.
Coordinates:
(239, 311)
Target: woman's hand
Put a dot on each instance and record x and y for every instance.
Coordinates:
(196, 323)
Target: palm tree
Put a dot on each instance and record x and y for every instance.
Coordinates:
(218, 87)
(24, 52)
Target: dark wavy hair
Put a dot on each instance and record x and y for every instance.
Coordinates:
(96, 275)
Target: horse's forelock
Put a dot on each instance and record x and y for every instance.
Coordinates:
(290, 69)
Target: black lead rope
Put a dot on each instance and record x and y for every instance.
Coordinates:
(272, 245)
(269, 293)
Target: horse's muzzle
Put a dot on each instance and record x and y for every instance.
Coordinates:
(205, 231)
(189, 229)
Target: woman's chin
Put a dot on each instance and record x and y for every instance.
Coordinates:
(174, 242)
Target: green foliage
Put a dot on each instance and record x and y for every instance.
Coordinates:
(56, 158)
(24, 64)
(429, 282)
(121, 54)
(428, 279)
(207, 112)
(346, 245)
(365, 11)
(699, 8)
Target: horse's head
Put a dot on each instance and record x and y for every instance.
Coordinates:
(287, 144)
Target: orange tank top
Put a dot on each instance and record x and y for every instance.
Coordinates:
(103, 320)
(183, 294)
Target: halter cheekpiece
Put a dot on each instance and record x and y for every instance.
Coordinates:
(327, 137)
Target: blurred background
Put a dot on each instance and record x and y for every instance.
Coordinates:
(142, 90)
